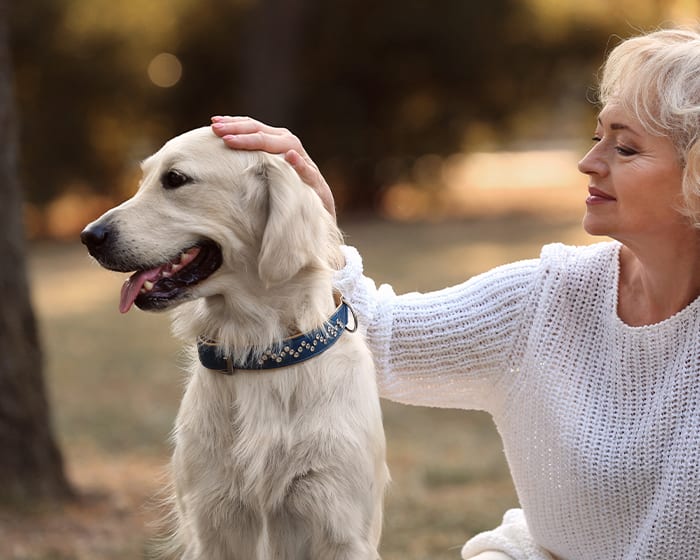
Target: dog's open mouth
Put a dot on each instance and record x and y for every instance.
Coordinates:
(160, 287)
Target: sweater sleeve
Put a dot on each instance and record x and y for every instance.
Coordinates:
(446, 348)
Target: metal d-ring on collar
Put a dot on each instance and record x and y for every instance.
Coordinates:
(289, 352)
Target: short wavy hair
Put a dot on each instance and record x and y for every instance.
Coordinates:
(656, 77)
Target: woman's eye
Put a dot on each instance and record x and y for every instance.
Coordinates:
(173, 179)
(625, 151)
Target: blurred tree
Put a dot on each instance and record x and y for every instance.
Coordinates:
(70, 89)
(390, 81)
(272, 44)
(31, 466)
(369, 86)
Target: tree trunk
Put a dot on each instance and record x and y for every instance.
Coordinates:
(31, 466)
(269, 73)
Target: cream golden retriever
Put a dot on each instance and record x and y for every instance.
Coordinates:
(268, 464)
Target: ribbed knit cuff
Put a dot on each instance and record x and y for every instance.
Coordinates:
(358, 291)
(346, 279)
(512, 537)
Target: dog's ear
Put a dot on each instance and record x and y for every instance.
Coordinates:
(294, 234)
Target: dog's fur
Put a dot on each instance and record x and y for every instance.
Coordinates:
(277, 465)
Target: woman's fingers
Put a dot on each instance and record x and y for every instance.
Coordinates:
(244, 133)
(309, 173)
(262, 141)
(248, 134)
(244, 121)
(243, 125)
(305, 168)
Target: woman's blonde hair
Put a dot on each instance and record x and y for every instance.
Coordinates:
(656, 77)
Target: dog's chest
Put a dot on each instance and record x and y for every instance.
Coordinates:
(259, 432)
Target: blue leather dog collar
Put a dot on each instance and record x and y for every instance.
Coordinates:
(289, 352)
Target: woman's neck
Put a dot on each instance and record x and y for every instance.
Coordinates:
(658, 280)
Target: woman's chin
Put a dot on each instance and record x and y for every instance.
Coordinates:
(593, 226)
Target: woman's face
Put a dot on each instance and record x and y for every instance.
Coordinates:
(634, 180)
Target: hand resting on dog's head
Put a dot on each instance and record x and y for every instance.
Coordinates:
(244, 133)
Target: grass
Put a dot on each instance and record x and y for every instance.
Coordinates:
(115, 384)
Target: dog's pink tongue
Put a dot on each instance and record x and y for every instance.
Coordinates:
(133, 285)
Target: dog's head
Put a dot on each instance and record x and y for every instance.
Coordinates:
(204, 213)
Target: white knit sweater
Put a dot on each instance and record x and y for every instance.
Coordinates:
(600, 421)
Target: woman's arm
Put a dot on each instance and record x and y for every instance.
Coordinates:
(447, 348)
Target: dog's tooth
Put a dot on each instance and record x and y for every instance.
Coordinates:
(175, 268)
(166, 273)
(148, 286)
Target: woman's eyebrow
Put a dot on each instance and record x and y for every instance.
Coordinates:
(618, 126)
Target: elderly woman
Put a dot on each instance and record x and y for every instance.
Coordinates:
(588, 358)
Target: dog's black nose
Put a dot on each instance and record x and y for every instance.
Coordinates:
(94, 235)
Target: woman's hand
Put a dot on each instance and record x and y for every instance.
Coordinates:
(244, 133)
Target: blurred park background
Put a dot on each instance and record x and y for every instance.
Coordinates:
(449, 130)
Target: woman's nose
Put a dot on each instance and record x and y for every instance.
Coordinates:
(592, 162)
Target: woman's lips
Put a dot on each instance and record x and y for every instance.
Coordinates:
(596, 196)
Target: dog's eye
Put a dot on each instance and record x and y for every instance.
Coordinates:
(173, 179)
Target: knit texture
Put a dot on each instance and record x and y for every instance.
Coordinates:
(600, 421)
(511, 537)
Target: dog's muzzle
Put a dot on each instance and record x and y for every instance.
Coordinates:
(153, 285)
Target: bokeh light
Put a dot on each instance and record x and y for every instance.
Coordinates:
(165, 70)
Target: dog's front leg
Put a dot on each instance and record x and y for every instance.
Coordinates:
(232, 533)
(354, 548)
(288, 536)
(292, 538)
(339, 521)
